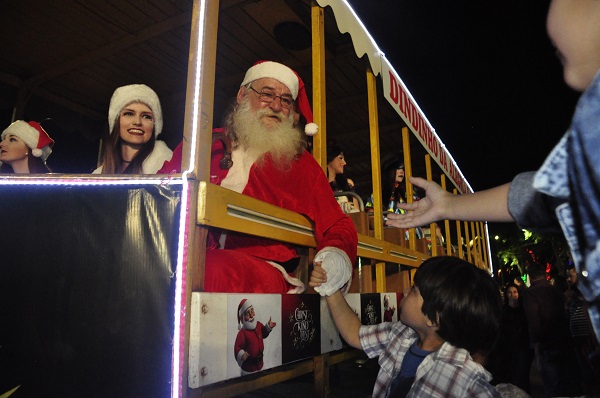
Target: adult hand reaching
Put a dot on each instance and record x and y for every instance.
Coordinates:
(432, 207)
(438, 204)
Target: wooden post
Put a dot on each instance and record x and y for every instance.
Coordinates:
(412, 236)
(319, 89)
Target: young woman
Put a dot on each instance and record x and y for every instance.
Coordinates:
(134, 120)
(24, 148)
(337, 180)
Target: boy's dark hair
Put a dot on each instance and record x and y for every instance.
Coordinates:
(464, 301)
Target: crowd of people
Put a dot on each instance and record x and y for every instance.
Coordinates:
(452, 316)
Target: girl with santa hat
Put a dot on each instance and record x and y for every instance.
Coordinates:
(24, 148)
(134, 120)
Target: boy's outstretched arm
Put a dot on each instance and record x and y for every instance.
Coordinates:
(438, 204)
(344, 318)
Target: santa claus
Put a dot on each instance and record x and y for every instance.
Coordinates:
(249, 342)
(269, 162)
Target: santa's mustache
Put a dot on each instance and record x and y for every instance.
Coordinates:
(268, 112)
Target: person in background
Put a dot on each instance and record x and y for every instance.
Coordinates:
(510, 362)
(450, 314)
(563, 195)
(549, 335)
(584, 340)
(135, 120)
(394, 188)
(24, 148)
(338, 180)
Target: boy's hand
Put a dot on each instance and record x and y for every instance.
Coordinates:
(317, 276)
(338, 273)
(427, 210)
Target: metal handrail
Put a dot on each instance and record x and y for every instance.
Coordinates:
(361, 204)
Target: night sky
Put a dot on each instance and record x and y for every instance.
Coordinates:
(486, 76)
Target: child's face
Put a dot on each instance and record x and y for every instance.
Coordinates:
(574, 28)
(410, 313)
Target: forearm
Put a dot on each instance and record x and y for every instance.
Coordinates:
(344, 318)
(488, 205)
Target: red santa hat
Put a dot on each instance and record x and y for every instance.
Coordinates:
(291, 79)
(244, 305)
(126, 95)
(33, 135)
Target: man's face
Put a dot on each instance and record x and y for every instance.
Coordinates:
(273, 87)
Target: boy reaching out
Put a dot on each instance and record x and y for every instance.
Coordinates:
(452, 312)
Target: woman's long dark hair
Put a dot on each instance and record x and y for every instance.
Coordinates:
(112, 158)
(36, 166)
(341, 181)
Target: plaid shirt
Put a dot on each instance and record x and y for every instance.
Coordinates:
(448, 372)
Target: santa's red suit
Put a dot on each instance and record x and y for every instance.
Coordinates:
(252, 343)
(242, 263)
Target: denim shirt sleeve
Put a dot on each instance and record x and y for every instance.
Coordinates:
(530, 208)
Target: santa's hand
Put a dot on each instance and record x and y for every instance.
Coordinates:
(245, 356)
(271, 323)
(337, 270)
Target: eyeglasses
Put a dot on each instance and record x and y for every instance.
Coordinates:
(286, 102)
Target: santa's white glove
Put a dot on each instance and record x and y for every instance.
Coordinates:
(338, 272)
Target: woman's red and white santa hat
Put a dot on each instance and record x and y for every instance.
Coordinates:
(289, 77)
(33, 135)
(126, 95)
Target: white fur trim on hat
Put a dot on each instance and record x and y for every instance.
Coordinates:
(311, 129)
(273, 70)
(24, 131)
(126, 95)
(245, 304)
(32, 137)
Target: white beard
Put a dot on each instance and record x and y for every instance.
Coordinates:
(282, 140)
(250, 324)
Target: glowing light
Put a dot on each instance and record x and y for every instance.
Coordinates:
(82, 181)
(180, 283)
